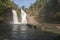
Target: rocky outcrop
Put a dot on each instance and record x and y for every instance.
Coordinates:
(8, 16)
(31, 20)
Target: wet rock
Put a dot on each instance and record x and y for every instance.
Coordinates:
(29, 25)
(57, 37)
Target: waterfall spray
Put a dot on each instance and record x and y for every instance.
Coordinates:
(23, 17)
(15, 18)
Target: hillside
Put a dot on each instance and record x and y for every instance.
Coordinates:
(47, 11)
(7, 6)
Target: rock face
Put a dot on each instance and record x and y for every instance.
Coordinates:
(31, 20)
(8, 16)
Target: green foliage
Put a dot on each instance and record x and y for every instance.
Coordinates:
(57, 14)
(50, 9)
(40, 3)
(4, 4)
(37, 5)
(7, 5)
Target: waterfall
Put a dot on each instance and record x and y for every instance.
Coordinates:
(15, 18)
(23, 17)
(23, 21)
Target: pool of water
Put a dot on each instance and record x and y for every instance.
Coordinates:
(23, 32)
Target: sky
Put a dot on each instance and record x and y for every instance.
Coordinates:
(25, 3)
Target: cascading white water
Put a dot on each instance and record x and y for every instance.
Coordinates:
(23, 17)
(23, 21)
(15, 18)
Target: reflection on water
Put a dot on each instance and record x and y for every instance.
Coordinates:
(23, 32)
(15, 27)
(19, 27)
(23, 28)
